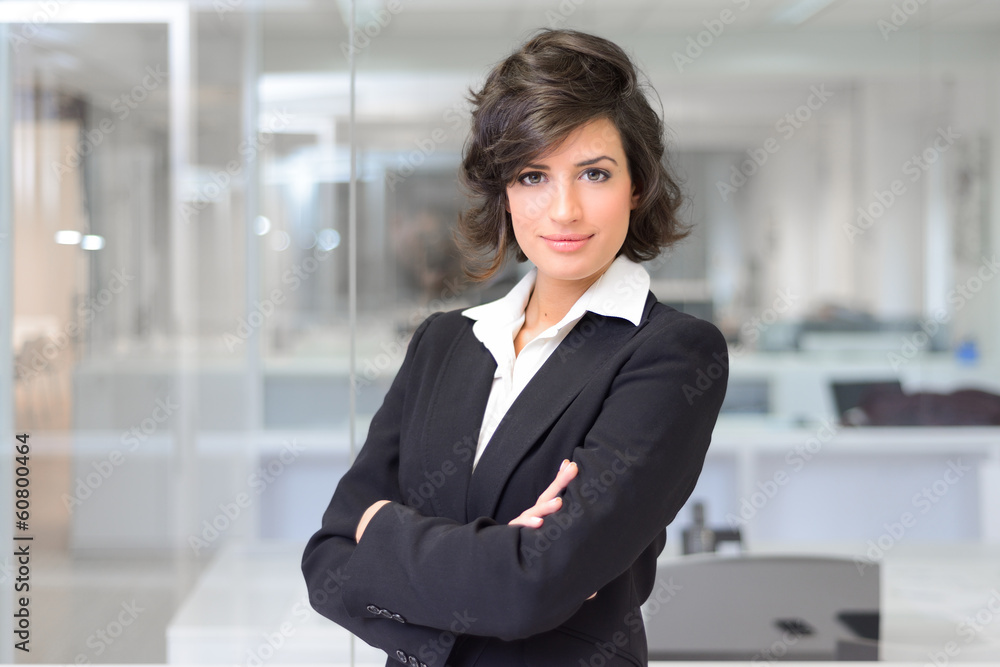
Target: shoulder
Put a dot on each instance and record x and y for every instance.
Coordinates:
(688, 354)
(443, 325)
(439, 331)
(664, 323)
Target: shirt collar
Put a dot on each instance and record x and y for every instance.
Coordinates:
(620, 292)
(507, 309)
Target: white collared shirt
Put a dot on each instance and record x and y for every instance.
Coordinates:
(620, 292)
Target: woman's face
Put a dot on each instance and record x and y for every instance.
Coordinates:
(570, 207)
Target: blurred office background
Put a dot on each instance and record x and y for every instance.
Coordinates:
(178, 261)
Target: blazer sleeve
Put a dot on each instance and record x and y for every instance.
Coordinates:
(638, 464)
(373, 476)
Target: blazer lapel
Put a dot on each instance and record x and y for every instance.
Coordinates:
(454, 418)
(543, 400)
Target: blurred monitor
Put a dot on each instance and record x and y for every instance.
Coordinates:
(849, 396)
(747, 396)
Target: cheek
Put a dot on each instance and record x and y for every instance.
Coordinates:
(615, 211)
(619, 217)
(523, 210)
(519, 232)
(516, 219)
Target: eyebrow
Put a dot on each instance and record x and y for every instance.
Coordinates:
(585, 163)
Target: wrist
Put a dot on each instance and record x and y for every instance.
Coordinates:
(367, 517)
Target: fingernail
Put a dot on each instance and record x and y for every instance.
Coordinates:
(562, 466)
(556, 501)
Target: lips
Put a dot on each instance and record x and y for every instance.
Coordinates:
(567, 242)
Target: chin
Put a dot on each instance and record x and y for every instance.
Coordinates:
(570, 270)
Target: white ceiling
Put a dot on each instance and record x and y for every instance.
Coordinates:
(424, 59)
(444, 17)
(760, 66)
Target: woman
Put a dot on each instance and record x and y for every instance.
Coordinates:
(509, 503)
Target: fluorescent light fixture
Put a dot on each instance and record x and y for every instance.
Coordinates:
(92, 242)
(68, 237)
(280, 240)
(28, 11)
(800, 11)
(262, 225)
(306, 239)
(328, 239)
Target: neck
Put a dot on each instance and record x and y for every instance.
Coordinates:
(551, 299)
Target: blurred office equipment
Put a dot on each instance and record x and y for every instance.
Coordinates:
(831, 328)
(700, 538)
(886, 404)
(747, 396)
(849, 397)
(762, 608)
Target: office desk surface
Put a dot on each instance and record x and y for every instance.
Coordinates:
(940, 604)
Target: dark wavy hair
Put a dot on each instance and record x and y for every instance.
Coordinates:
(531, 101)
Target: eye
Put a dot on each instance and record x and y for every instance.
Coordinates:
(596, 175)
(531, 178)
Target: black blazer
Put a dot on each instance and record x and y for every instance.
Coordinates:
(439, 577)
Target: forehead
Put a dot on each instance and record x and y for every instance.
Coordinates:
(591, 139)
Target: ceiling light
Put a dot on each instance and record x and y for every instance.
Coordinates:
(799, 12)
(262, 225)
(68, 237)
(92, 242)
(328, 239)
(280, 240)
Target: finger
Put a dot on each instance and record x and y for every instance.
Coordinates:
(546, 508)
(533, 515)
(527, 521)
(541, 509)
(549, 501)
(556, 486)
(565, 475)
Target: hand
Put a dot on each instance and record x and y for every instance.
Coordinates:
(549, 501)
(366, 517)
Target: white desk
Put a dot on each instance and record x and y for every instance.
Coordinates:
(252, 602)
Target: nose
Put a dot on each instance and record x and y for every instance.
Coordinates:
(565, 204)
